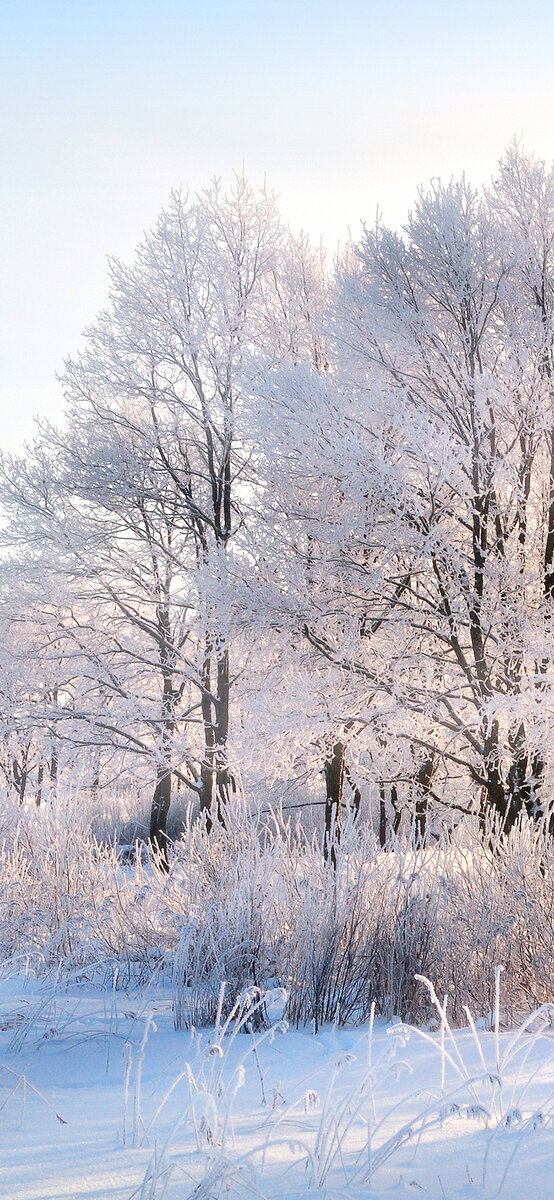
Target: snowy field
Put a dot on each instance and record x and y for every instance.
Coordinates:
(100, 1097)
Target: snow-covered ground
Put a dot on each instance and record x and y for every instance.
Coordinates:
(283, 1113)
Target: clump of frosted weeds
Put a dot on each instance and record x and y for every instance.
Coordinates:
(255, 903)
(68, 904)
(213, 1080)
(261, 903)
(336, 1139)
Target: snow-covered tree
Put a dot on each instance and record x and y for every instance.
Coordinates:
(445, 342)
(138, 505)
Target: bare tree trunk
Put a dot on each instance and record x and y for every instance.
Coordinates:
(382, 814)
(523, 786)
(224, 784)
(40, 778)
(54, 753)
(396, 809)
(356, 793)
(207, 768)
(19, 773)
(54, 769)
(423, 783)
(507, 799)
(161, 800)
(95, 779)
(217, 783)
(158, 817)
(334, 783)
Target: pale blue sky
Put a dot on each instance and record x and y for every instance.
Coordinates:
(105, 107)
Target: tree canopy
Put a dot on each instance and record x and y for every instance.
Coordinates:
(297, 533)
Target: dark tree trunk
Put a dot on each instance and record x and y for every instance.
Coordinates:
(519, 793)
(548, 583)
(500, 803)
(54, 753)
(161, 800)
(523, 787)
(423, 783)
(95, 787)
(397, 809)
(223, 781)
(40, 778)
(493, 795)
(217, 783)
(54, 769)
(356, 793)
(19, 775)
(334, 783)
(207, 768)
(207, 793)
(382, 815)
(158, 818)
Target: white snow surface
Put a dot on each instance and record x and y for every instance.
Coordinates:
(287, 1113)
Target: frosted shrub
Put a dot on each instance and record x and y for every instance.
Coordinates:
(331, 956)
(266, 907)
(232, 884)
(500, 908)
(255, 905)
(66, 902)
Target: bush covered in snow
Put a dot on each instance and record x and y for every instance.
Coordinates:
(255, 904)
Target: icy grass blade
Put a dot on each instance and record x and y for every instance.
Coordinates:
(23, 1082)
